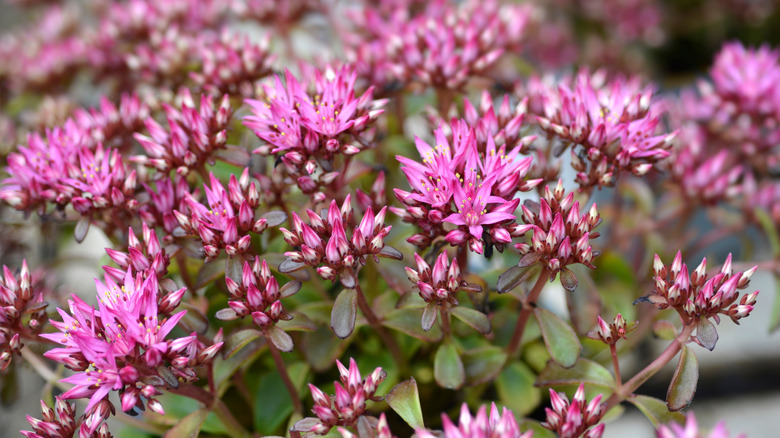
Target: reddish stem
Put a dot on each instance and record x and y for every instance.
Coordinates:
(376, 324)
(296, 400)
(616, 364)
(529, 303)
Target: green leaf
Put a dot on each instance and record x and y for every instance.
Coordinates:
(447, 366)
(300, 322)
(344, 313)
(516, 390)
(430, 312)
(664, 329)
(194, 320)
(561, 340)
(189, 426)
(279, 338)
(474, 318)
(683, 386)
(404, 399)
(513, 277)
(483, 364)
(768, 225)
(706, 333)
(539, 431)
(224, 369)
(208, 273)
(321, 348)
(655, 410)
(407, 320)
(584, 371)
(272, 404)
(238, 340)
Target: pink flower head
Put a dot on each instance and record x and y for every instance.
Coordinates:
(575, 419)
(20, 295)
(324, 242)
(194, 135)
(691, 430)
(561, 234)
(124, 339)
(349, 403)
(697, 296)
(459, 184)
(229, 217)
(306, 123)
(614, 121)
(482, 425)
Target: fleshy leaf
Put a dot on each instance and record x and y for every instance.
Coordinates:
(407, 320)
(279, 338)
(288, 266)
(390, 253)
(299, 322)
(568, 279)
(516, 390)
(189, 426)
(664, 329)
(290, 288)
(655, 410)
(344, 313)
(561, 340)
(513, 277)
(683, 386)
(194, 320)
(226, 314)
(237, 340)
(474, 318)
(447, 367)
(483, 364)
(82, 227)
(275, 218)
(429, 316)
(706, 333)
(347, 278)
(584, 371)
(404, 399)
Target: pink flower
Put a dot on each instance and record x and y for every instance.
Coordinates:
(615, 122)
(575, 419)
(349, 403)
(691, 430)
(482, 425)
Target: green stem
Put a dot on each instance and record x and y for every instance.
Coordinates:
(616, 364)
(529, 303)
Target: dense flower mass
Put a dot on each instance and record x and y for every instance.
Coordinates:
(576, 418)
(324, 242)
(691, 430)
(561, 234)
(116, 346)
(308, 123)
(349, 404)
(19, 296)
(697, 296)
(459, 185)
(615, 122)
(482, 425)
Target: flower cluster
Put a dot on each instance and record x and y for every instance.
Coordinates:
(575, 419)
(482, 425)
(258, 295)
(443, 45)
(229, 217)
(460, 185)
(308, 129)
(147, 258)
(731, 128)
(615, 122)
(349, 403)
(63, 169)
(122, 342)
(691, 430)
(561, 235)
(325, 242)
(61, 422)
(167, 196)
(611, 333)
(438, 286)
(193, 137)
(697, 297)
(19, 297)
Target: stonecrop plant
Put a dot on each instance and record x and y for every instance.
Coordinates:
(377, 219)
